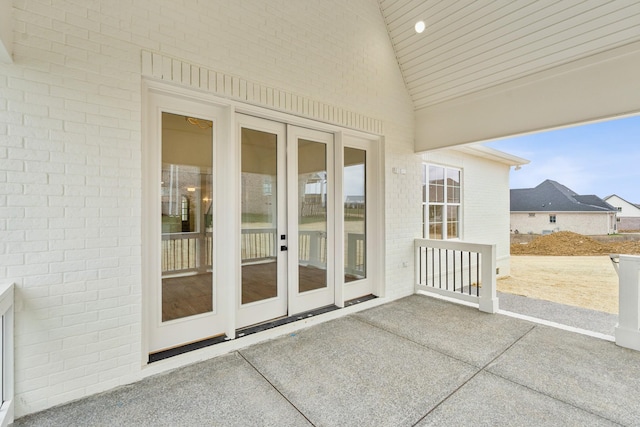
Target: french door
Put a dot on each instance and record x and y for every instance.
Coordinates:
(181, 210)
(287, 214)
(246, 220)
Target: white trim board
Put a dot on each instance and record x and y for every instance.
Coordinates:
(175, 70)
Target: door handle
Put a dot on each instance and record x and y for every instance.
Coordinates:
(283, 248)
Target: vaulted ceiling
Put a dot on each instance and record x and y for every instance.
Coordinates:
(471, 45)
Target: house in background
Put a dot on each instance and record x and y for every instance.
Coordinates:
(628, 213)
(466, 196)
(119, 121)
(551, 207)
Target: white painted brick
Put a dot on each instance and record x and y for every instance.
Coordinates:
(87, 55)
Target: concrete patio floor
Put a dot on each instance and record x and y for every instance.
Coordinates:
(417, 361)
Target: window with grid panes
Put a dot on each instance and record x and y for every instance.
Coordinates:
(441, 202)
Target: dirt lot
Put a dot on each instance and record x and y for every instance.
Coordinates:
(582, 281)
(568, 268)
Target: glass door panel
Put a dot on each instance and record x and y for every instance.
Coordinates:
(311, 219)
(259, 216)
(361, 222)
(262, 293)
(186, 196)
(312, 215)
(355, 214)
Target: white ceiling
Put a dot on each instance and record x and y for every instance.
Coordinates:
(470, 45)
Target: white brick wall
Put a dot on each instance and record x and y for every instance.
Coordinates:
(70, 144)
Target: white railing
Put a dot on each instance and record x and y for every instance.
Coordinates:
(627, 332)
(459, 270)
(258, 244)
(312, 248)
(185, 252)
(189, 252)
(6, 353)
(356, 255)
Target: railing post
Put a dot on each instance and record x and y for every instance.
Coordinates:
(488, 301)
(627, 332)
(314, 248)
(6, 355)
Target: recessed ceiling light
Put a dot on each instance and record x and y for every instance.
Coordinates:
(420, 26)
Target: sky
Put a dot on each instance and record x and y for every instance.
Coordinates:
(599, 158)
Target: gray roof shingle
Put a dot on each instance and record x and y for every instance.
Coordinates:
(551, 196)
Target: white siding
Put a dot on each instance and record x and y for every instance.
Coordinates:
(628, 209)
(70, 163)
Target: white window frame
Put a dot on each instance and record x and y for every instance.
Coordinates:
(445, 204)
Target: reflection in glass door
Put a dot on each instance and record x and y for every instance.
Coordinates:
(186, 196)
(311, 212)
(355, 214)
(259, 215)
(312, 215)
(263, 243)
(360, 220)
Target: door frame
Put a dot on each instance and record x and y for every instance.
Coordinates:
(300, 302)
(245, 314)
(374, 225)
(229, 190)
(174, 333)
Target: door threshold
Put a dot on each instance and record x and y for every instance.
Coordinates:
(283, 321)
(165, 354)
(243, 332)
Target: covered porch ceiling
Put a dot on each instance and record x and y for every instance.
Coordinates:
(489, 69)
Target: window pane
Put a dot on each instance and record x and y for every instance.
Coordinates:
(435, 231)
(436, 184)
(355, 238)
(312, 215)
(436, 193)
(259, 197)
(186, 206)
(453, 222)
(453, 195)
(436, 174)
(435, 222)
(453, 186)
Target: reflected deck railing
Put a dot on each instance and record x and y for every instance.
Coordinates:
(459, 270)
(189, 252)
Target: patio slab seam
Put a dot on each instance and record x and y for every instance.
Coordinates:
(573, 405)
(483, 368)
(275, 388)
(438, 350)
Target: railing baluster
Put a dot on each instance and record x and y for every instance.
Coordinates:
(420, 266)
(453, 256)
(461, 271)
(477, 274)
(433, 267)
(440, 268)
(446, 261)
(470, 278)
